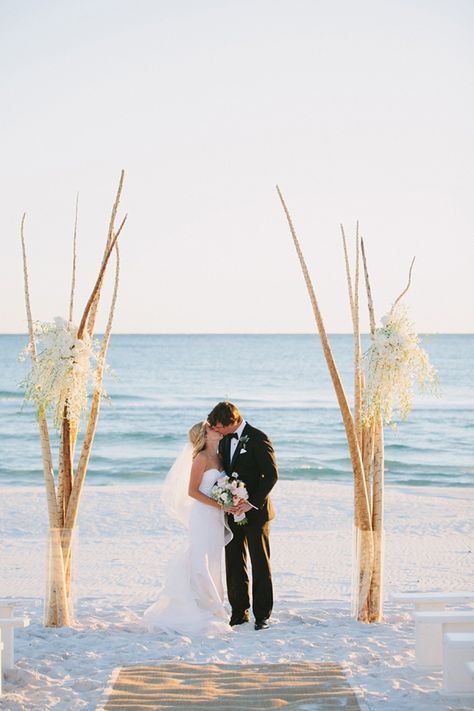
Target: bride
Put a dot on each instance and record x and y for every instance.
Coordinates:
(192, 599)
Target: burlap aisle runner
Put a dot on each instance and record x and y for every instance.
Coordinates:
(313, 686)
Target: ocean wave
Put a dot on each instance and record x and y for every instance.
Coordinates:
(281, 404)
(11, 395)
(129, 465)
(138, 474)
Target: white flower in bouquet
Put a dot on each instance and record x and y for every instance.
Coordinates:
(60, 376)
(393, 365)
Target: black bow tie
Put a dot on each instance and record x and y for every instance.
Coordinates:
(233, 435)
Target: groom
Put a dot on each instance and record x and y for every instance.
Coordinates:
(249, 453)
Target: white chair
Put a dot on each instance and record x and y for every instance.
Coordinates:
(431, 601)
(1, 656)
(470, 669)
(8, 623)
(429, 630)
(458, 663)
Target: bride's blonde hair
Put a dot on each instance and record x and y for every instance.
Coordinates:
(197, 437)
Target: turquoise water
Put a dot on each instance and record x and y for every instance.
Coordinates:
(165, 383)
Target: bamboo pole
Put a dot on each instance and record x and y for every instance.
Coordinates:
(406, 288)
(74, 255)
(48, 469)
(73, 503)
(357, 350)
(368, 430)
(335, 377)
(98, 285)
(58, 609)
(375, 610)
(363, 521)
(376, 586)
(73, 428)
(370, 302)
(376, 456)
(68, 433)
(81, 470)
(354, 304)
(87, 322)
(364, 540)
(363, 436)
(72, 508)
(367, 459)
(348, 273)
(108, 246)
(65, 468)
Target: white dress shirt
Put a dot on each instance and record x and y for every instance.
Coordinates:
(234, 442)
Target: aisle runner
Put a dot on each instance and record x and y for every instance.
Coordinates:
(313, 686)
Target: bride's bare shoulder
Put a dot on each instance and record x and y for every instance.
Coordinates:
(203, 462)
(200, 461)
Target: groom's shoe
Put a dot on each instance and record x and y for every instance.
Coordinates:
(263, 624)
(238, 620)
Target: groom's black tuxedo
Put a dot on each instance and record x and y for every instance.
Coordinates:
(254, 462)
(256, 467)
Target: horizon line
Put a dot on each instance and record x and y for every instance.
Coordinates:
(247, 333)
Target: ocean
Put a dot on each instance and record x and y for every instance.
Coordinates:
(163, 384)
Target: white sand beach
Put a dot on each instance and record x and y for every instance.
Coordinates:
(125, 540)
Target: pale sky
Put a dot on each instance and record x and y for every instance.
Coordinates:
(358, 110)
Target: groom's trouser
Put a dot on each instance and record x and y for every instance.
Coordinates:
(252, 539)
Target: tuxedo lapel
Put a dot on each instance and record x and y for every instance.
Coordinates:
(239, 446)
(227, 462)
(236, 453)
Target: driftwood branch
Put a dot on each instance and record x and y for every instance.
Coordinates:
(98, 284)
(353, 290)
(68, 436)
(357, 351)
(29, 317)
(356, 278)
(370, 302)
(113, 215)
(73, 278)
(362, 502)
(79, 479)
(348, 273)
(111, 235)
(47, 458)
(406, 288)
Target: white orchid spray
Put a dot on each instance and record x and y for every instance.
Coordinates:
(65, 366)
(394, 365)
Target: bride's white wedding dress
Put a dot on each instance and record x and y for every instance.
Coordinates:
(192, 599)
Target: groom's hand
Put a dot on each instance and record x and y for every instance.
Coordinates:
(243, 506)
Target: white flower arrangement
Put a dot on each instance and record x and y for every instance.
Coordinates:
(228, 491)
(62, 372)
(393, 365)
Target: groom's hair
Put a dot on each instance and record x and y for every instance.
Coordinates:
(224, 412)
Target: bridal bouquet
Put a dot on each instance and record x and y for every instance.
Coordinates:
(228, 491)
